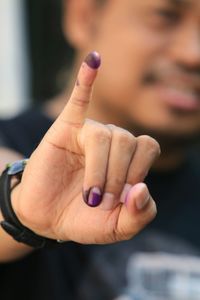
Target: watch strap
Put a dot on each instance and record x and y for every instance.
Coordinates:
(11, 223)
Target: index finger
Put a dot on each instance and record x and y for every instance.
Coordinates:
(76, 108)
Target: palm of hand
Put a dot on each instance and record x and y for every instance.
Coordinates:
(59, 198)
(50, 194)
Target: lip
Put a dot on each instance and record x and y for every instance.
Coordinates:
(179, 99)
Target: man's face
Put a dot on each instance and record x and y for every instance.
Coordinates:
(150, 75)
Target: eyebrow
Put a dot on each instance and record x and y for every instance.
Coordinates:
(179, 2)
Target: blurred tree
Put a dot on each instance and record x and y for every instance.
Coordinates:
(50, 55)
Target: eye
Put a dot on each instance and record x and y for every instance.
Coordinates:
(169, 16)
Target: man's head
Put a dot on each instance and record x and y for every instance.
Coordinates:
(150, 75)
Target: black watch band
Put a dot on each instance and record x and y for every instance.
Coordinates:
(11, 223)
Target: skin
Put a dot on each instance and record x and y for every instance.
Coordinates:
(10, 250)
(166, 50)
(75, 154)
(168, 40)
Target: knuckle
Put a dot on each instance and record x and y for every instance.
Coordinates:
(155, 146)
(101, 134)
(111, 126)
(150, 144)
(80, 100)
(89, 125)
(125, 139)
(96, 132)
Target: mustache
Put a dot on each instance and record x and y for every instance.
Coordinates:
(174, 73)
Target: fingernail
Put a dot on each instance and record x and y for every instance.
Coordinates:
(142, 202)
(92, 197)
(93, 60)
(125, 192)
(143, 199)
(107, 201)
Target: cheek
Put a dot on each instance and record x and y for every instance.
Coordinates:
(122, 72)
(146, 110)
(126, 58)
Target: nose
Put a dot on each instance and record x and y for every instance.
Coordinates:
(185, 48)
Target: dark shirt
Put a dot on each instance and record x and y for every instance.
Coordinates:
(153, 263)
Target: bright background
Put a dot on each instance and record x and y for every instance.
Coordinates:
(14, 62)
(34, 57)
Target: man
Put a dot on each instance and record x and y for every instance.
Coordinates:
(148, 84)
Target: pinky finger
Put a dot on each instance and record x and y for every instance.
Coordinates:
(141, 196)
(139, 209)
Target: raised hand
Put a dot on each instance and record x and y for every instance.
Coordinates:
(84, 180)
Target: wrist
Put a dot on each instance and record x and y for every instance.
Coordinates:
(11, 222)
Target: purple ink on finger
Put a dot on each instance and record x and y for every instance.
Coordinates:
(92, 197)
(93, 60)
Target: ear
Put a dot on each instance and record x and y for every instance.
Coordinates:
(79, 21)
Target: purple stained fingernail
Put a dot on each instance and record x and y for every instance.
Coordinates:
(93, 60)
(92, 197)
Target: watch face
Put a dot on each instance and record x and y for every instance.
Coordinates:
(17, 167)
(11, 224)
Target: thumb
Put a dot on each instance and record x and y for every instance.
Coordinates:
(76, 108)
(138, 210)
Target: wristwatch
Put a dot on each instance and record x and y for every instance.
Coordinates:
(11, 223)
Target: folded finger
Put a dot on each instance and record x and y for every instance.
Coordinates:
(122, 148)
(147, 151)
(136, 213)
(96, 140)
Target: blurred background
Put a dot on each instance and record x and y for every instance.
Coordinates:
(34, 57)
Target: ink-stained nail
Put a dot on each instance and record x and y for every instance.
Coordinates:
(93, 60)
(77, 82)
(92, 197)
